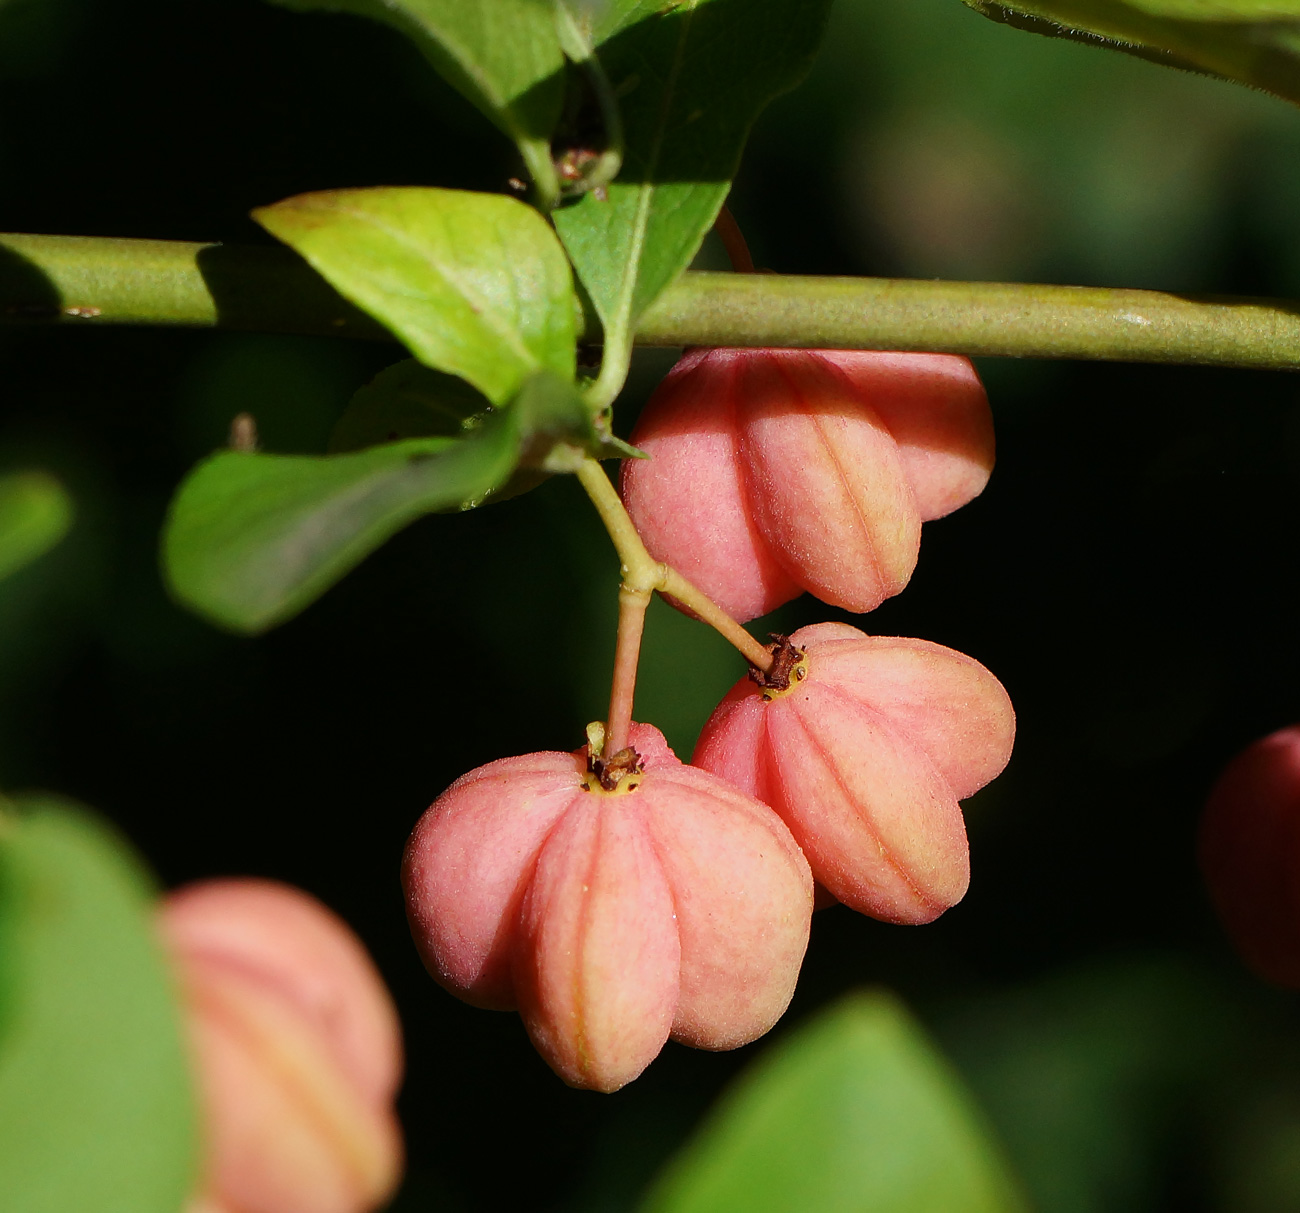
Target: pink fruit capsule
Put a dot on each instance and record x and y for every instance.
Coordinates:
(1250, 853)
(297, 1049)
(865, 753)
(671, 905)
(777, 471)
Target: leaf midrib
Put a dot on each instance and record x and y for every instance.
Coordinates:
(622, 317)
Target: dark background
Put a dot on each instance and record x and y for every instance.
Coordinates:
(1129, 573)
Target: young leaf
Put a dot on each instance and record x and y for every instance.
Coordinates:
(503, 55)
(35, 513)
(475, 284)
(1255, 42)
(690, 78)
(855, 1113)
(95, 1104)
(252, 539)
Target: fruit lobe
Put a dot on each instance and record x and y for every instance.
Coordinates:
(610, 920)
(1249, 847)
(865, 757)
(777, 471)
(297, 1048)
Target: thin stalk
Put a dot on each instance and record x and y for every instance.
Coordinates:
(641, 571)
(627, 654)
(90, 282)
(615, 362)
(575, 41)
(734, 242)
(676, 586)
(643, 574)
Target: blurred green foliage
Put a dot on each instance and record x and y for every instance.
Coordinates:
(95, 1102)
(35, 514)
(854, 1113)
(1127, 574)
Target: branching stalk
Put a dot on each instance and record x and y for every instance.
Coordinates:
(643, 575)
(676, 586)
(641, 571)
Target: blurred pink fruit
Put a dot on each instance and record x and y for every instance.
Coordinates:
(298, 1051)
(865, 755)
(612, 919)
(1250, 854)
(777, 471)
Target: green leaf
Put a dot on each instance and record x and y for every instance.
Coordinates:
(96, 1112)
(1255, 42)
(475, 284)
(35, 513)
(503, 55)
(854, 1113)
(690, 78)
(252, 539)
(407, 400)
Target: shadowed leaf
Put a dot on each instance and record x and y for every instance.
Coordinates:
(95, 1103)
(854, 1113)
(503, 55)
(35, 513)
(1255, 42)
(252, 539)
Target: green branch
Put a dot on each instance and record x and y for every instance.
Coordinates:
(87, 281)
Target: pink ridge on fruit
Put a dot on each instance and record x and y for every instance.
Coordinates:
(776, 471)
(865, 756)
(674, 905)
(1249, 849)
(297, 1050)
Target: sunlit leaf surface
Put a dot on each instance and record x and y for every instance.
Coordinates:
(475, 284)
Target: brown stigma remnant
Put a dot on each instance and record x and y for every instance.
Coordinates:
(610, 772)
(789, 664)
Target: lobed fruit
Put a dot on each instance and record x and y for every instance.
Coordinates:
(672, 905)
(865, 755)
(777, 471)
(1249, 846)
(297, 1048)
